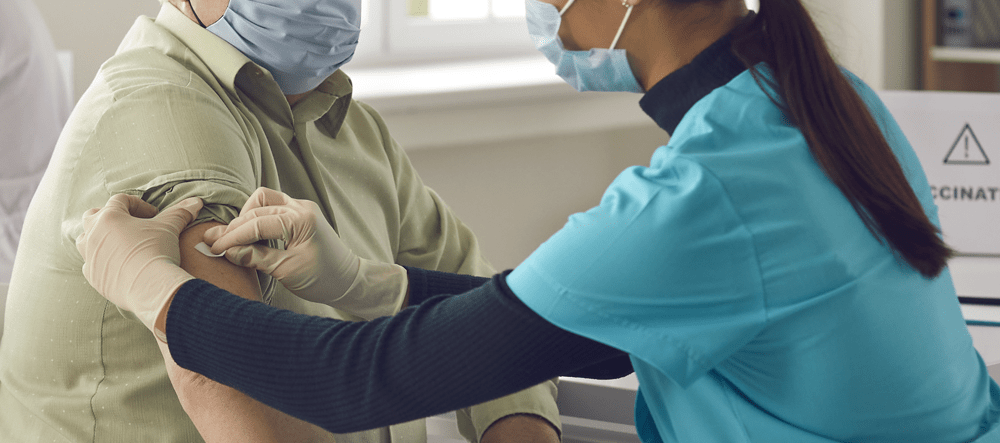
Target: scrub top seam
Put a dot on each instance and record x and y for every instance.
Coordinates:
(611, 243)
(563, 293)
(762, 291)
(730, 392)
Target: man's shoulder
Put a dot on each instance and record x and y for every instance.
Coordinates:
(146, 67)
(151, 56)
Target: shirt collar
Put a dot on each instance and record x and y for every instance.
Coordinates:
(219, 56)
(319, 101)
(672, 97)
(235, 70)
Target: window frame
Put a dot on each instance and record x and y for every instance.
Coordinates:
(391, 37)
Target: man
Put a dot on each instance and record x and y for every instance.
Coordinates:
(34, 105)
(186, 108)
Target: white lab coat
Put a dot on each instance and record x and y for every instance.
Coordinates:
(34, 105)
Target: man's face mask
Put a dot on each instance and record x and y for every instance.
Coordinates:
(301, 42)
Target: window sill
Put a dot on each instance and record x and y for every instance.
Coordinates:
(487, 101)
(452, 83)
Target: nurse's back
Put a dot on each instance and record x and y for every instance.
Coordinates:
(857, 343)
(880, 355)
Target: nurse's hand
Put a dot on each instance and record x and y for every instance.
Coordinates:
(134, 262)
(315, 265)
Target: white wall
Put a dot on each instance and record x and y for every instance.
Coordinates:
(515, 194)
(515, 190)
(875, 38)
(879, 40)
(92, 30)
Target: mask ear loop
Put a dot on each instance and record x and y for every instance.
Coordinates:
(621, 28)
(199, 19)
(565, 7)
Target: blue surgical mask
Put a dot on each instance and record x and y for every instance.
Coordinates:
(594, 70)
(301, 42)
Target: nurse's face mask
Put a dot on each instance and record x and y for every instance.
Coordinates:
(594, 70)
(300, 42)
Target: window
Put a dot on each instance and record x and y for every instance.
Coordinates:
(466, 9)
(404, 31)
(398, 32)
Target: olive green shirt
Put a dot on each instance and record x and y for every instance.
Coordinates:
(178, 112)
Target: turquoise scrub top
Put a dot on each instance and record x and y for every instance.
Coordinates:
(754, 303)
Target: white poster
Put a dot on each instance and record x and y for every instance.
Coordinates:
(957, 138)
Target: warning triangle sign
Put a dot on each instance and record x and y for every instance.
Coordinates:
(967, 150)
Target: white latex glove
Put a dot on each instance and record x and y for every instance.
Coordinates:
(316, 265)
(134, 262)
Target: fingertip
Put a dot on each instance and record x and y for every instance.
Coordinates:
(80, 244)
(181, 214)
(89, 218)
(240, 255)
(213, 234)
(193, 204)
(263, 197)
(252, 256)
(120, 201)
(255, 200)
(134, 205)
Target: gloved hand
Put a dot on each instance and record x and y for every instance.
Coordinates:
(316, 265)
(134, 262)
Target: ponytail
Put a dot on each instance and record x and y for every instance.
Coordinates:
(840, 130)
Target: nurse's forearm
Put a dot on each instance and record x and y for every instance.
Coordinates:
(448, 353)
(425, 284)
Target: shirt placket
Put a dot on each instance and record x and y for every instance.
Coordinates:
(301, 146)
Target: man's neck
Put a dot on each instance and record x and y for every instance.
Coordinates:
(294, 98)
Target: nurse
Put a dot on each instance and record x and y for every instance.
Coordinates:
(775, 274)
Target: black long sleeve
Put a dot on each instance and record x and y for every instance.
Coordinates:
(425, 284)
(445, 354)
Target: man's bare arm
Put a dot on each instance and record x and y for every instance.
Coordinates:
(220, 413)
(521, 428)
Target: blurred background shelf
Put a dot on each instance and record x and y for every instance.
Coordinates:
(952, 68)
(965, 55)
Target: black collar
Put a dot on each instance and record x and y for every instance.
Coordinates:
(669, 99)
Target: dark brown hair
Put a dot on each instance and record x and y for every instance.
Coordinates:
(842, 134)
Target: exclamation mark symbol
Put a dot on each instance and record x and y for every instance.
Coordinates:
(966, 147)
